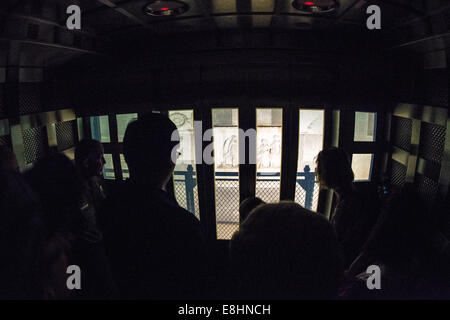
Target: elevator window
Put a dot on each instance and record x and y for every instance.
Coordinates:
(80, 129)
(268, 153)
(122, 122)
(184, 176)
(362, 166)
(226, 171)
(311, 126)
(100, 128)
(365, 126)
(108, 169)
(124, 166)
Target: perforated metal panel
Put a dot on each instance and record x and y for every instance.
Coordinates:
(5, 141)
(427, 187)
(432, 141)
(300, 196)
(65, 134)
(30, 98)
(398, 174)
(35, 143)
(401, 132)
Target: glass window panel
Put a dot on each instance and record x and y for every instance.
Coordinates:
(268, 153)
(108, 169)
(122, 122)
(124, 166)
(362, 166)
(80, 129)
(226, 167)
(185, 177)
(100, 128)
(365, 126)
(262, 5)
(311, 126)
(223, 6)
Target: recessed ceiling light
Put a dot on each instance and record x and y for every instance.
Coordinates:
(315, 6)
(166, 8)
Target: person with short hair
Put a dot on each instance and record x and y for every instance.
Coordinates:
(155, 246)
(355, 212)
(284, 251)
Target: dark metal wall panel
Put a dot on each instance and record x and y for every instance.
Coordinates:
(432, 140)
(30, 98)
(5, 141)
(427, 188)
(66, 134)
(436, 87)
(401, 132)
(2, 102)
(398, 173)
(35, 143)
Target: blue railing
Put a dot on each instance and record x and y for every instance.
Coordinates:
(305, 179)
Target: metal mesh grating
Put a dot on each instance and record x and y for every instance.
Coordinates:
(398, 174)
(227, 208)
(300, 196)
(65, 134)
(427, 187)
(432, 141)
(29, 98)
(268, 191)
(5, 141)
(180, 195)
(401, 136)
(35, 143)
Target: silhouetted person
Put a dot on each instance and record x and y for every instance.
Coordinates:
(60, 189)
(21, 240)
(355, 212)
(156, 247)
(90, 161)
(8, 160)
(284, 251)
(247, 206)
(400, 245)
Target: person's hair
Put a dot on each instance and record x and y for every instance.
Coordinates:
(333, 168)
(284, 251)
(59, 187)
(247, 206)
(85, 148)
(148, 144)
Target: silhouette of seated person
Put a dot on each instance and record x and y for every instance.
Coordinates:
(155, 246)
(247, 206)
(21, 239)
(8, 160)
(400, 244)
(89, 161)
(284, 251)
(355, 212)
(60, 188)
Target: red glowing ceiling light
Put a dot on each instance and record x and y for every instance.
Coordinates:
(166, 8)
(317, 6)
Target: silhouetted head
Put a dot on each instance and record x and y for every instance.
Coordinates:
(247, 206)
(89, 158)
(333, 169)
(283, 251)
(8, 160)
(149, 150)
(403, 229)
(59, 187)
